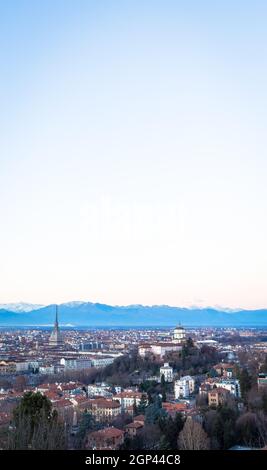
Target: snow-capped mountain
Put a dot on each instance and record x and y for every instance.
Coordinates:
(96, 314)
(20, 307)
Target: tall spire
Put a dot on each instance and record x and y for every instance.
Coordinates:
(55, 337)
(56, 321)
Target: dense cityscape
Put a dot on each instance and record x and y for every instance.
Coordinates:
(161, 388)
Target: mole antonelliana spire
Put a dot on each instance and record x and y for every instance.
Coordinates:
(55, 337)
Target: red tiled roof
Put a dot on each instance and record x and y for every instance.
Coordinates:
(62, 403)
(140, 418)
(104, 403)
(134, 425)
(129, 395)
(106, 433)
(172, 407)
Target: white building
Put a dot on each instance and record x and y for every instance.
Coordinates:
(69, 362)
(78, 363)
(179, 335)
(83, 363)
(184, 387)
(160, 349)
(232, 385)
(102, 361)
(128, 398)
(167, 372)
(47, 370)
(100, 390)
(22, 366)
(144, 350)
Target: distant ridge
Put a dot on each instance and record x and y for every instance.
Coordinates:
(20, 307)
(78, 313)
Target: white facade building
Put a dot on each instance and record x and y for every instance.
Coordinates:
(167, 372)
(102, 361)
(47, 370)
(99, 390)
(160, 349)
(184, 387)
(179, 335)
(232, 385)
(69, 362)
(83, 363)
(128, 398)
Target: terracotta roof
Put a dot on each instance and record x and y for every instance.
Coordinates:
(62, 403)
(139, 418)
(223, 365)
(134, 425)
(52, 395)
(129, 395)
(106, 433)
(104, 403)
(172, 407)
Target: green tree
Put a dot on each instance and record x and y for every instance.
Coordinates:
(223, 429)
(36, 425)
(86, 425)
(163, 388)
(140, 409)
(189, 343)
(154, 412)
(170, 428)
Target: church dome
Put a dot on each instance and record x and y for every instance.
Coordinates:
(179, 335)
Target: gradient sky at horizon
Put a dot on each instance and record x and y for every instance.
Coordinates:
(133, 155)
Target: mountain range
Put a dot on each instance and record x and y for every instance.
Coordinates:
(90, 314)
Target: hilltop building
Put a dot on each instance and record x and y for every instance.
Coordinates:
(160, 348)
(179, 335)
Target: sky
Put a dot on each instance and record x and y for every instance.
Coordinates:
(133, 154)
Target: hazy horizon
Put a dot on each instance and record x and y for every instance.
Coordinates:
(133, 152)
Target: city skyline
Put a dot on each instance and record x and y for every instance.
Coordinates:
(132, 153)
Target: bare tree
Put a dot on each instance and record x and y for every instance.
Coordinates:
(193, 437)
(252, 429)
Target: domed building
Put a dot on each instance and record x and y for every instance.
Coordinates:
(179, 335)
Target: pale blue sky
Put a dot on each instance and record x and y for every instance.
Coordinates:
(133, 156)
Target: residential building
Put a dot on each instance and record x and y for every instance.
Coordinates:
(225, 370)
(101, 390)
(104, 409)
(217, 396)
(167, 372)
(102, 361)
(129, 398)
(173, 408)
(184, 387)
(133, 429)
(105, 439)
